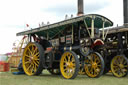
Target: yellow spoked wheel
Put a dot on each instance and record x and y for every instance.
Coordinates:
(94, 65)
(32, 59)
(54, 71)
(119, 66)
(69, 65)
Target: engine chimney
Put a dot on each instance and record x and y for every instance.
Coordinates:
(125, 2)
(80, 8)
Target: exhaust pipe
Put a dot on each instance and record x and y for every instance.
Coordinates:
(80, 8)
(125, 7)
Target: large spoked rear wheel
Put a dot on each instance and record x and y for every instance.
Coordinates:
(94, 65)
(69, 65)
(119, 66)
(32, 59)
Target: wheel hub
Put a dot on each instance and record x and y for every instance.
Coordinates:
(31, 58)
(121, 66)
(94, 65)
(69, 65)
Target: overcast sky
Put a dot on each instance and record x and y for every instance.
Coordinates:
(15, 14)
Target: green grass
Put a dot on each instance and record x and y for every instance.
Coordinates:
(48, 79)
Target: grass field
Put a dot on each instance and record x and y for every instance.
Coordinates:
(48, 79)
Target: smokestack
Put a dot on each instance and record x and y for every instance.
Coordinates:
(80, 8)
(125, 4)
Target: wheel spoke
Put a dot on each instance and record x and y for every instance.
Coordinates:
(27, 62)
(125, 62)
(125, 66)
(32, 48)
(37, 54)
(73, 65)
(73, 60)
(69, 57)
(35, 63)
(65, 59)
(122, 72)
(115, 64)
(98, 62)
(65, 69)
(29, 50)
(35, 68)
(121, 60)
(29, 67)
(88, 65)
(96, 59)
(27, 55)
(95, 71)
(98, 65)
(32, 68)
(65, 63)
(91, 69)
(36, 59)
(35, 50)
(98, 69)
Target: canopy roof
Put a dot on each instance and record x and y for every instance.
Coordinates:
(117, 29)
(52, 29)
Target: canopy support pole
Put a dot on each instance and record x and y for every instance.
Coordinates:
(103, 31)
(92, 28)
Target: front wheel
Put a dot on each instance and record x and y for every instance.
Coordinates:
(119, 66)
(69, 65)
(32, 59)
(94, 65)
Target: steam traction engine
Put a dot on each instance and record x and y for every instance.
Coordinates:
(66, 46)
(116, 45)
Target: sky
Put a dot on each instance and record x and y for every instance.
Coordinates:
(15, 14)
